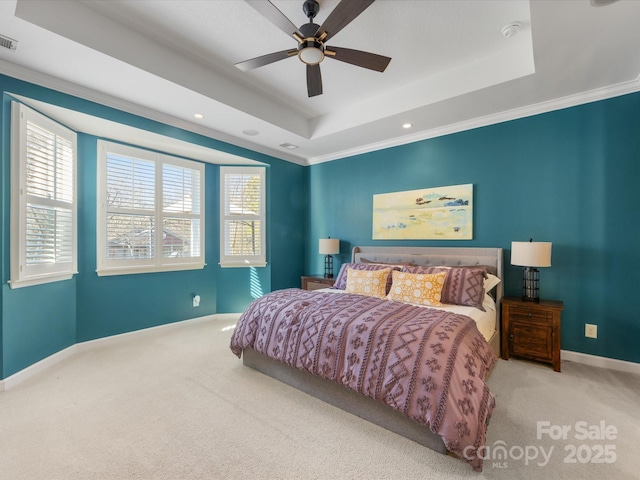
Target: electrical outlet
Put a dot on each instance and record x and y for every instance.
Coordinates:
(590, 331)
(196, 300)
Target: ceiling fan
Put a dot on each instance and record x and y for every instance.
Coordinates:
(312, 38)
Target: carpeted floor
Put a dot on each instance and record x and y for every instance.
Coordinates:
(179, 405)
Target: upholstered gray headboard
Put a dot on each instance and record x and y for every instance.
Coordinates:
(434, 256)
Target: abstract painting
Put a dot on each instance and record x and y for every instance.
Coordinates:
(442, 213)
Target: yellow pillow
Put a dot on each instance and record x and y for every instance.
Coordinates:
(419, 288)
(372, 283)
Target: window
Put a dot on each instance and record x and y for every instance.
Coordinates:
(150, 211)
(43, 199)
(242, 217)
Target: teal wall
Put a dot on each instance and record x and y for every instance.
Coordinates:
(116, 304)
(39, 321)
(569, 177)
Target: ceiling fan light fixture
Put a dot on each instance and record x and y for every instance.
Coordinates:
(310, 51)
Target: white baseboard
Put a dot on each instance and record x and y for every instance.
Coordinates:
(602, 362)
(50, 361)
(36, 368)
(113, 339)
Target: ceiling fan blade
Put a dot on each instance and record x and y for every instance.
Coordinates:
(341, 16)
(265, 60)
(314, 80)
(275, 16)
(368, 60)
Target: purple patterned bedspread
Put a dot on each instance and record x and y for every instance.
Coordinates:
(428, 364)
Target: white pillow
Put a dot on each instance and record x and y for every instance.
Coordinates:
(490, 282)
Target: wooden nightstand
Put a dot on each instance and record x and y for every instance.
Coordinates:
(531, 330)
(314, 282)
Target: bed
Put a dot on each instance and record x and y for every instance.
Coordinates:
(417, 371)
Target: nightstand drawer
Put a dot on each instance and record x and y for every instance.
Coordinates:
(529, 314)
(313, 285)
(315, 282)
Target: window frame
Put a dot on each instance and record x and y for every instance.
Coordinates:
(158, 262)
(237, 261)
(22, 274)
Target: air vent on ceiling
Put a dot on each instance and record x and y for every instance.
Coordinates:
(6, 42)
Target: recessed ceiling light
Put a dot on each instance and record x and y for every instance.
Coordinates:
(511, 29)
(289, 146)
(199, 116)
(602, 3)
(251, 132)
(407, 125)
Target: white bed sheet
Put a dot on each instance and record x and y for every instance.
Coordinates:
(486, 321)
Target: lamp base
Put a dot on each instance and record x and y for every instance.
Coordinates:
(533, 300)
(328, 266)
(531, 285)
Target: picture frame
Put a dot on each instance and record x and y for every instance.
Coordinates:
(440, 213)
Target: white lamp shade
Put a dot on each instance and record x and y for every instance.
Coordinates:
(329, 246)
(531, 254)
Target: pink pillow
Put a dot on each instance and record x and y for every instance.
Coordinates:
(463, 285)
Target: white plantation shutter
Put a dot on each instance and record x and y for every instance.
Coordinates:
(43, 211)
(131, 199)
(242, 230)
(181, 199)
(150, 212)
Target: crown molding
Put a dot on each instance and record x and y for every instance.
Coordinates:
(591, 96)
(63, 86)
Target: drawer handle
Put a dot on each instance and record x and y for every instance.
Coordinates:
(530, 316)
(511, 337)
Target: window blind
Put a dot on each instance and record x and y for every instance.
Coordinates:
(43, 199)
(152, 212)
(243, 216)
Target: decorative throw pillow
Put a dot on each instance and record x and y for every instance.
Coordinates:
(341, 279)
(490, 282)
(422, 269)
(463, 285)
(418, 288)
(372, 283)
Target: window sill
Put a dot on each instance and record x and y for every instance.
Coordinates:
(106, 272)
(242, 265)
(40, 280)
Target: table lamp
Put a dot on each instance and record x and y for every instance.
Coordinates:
(329, 247)
(531, 255)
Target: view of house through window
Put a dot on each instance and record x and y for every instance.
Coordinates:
(131, 207)
(152, 212)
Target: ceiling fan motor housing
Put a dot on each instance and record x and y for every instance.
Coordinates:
(310, 9)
